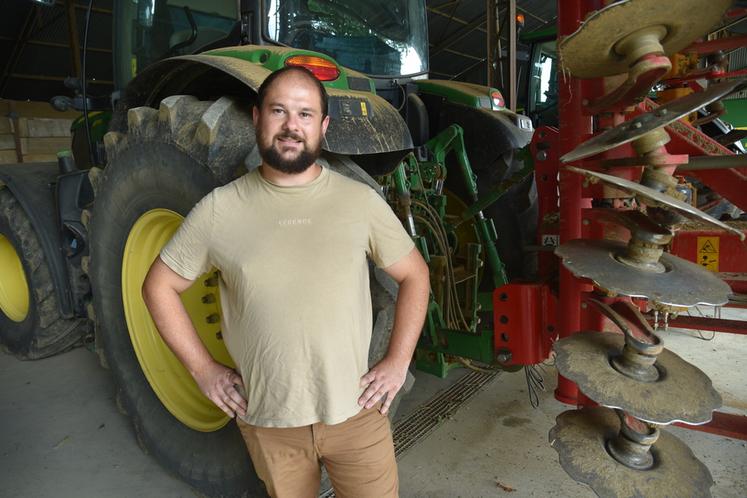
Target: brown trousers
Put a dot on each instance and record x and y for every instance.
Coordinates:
(358, 455)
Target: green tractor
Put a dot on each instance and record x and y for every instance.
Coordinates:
(77, 241)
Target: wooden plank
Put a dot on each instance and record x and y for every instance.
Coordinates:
(44, 127)
(7, 141)
(39, 158)
(44, 145)
(6, 125)
(22, 127)
(8, 156)
(31, 109)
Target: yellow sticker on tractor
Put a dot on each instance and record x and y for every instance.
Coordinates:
(708, 252)
(364, 109)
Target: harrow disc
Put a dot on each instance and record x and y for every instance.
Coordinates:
(594, 50)
(580, 437)
(597, 261)
(683, 393)
(653, 198)
(646, 123)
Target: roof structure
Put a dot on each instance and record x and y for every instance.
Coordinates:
(36, 54)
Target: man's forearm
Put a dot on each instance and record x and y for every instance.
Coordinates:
(176, 328)
(409, 316)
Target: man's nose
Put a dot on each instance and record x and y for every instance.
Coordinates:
(291, 121)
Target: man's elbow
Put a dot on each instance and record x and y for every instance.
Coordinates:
(150, 285)
(146, 290)
(420, 272)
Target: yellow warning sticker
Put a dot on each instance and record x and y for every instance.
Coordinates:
(364, 109)
(708, 252)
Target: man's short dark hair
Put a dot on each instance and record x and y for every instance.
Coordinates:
(267, 83)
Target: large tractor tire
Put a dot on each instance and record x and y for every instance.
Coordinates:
(31, 325)
(157, 171)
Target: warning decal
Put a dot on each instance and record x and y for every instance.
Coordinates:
(550, 240)
(708, 252)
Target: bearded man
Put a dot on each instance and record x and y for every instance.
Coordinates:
(291, 240)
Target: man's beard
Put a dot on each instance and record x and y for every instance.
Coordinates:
(273, 157)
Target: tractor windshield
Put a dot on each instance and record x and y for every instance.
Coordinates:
(385, 38)
(542, 101)
(151, 30)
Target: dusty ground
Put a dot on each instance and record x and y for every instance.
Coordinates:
(62, 436)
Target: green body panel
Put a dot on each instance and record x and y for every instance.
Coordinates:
(98, 121)
(459, 92)
(736, 112)
(273, 58)
(477, 347)
(538, 35)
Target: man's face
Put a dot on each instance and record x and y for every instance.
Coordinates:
(289, 125)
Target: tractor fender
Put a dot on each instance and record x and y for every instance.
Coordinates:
(32, 184)
(361, 122)
(488, 135)
(497, 129)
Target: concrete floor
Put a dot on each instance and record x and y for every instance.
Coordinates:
(62, 436)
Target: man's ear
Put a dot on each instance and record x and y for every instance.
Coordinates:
(325, 123)
(255, 116)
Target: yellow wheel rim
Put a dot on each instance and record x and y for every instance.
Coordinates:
(171, 382)
(14, 289)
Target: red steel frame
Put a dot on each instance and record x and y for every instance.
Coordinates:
(576, 127)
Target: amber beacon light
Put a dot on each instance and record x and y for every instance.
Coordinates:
(323, 69)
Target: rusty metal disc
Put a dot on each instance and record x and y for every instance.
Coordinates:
(683, 393)
(682, 284)
(591, 51)
(580, 438)
(645, 123)
(653, 198)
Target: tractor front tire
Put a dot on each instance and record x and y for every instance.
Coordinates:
(169, 159)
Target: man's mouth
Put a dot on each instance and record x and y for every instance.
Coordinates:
(289, 139)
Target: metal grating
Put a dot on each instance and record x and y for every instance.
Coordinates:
(421, 422)
(427, 417)
(738, 60)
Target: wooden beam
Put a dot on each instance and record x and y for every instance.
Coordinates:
(18, 47)
(492, 40)
(74, 41)
(56, 45)
(95, 9)
(462, 54)
(39, 77)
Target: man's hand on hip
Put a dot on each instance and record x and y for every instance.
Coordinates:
(382, 383)
(218, 383)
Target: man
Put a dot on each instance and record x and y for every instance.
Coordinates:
(291, 241)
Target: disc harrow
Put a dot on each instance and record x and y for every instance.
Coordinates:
(618, 447)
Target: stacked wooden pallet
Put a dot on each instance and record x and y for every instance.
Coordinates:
(32, 131)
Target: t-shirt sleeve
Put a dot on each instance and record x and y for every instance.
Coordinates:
(188, 251)
(388, 241)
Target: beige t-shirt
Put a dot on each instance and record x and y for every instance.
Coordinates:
(294, 287)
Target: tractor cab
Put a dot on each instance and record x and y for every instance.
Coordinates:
(386, 40)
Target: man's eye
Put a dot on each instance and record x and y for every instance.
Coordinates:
(277, 111)
(305, 115)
